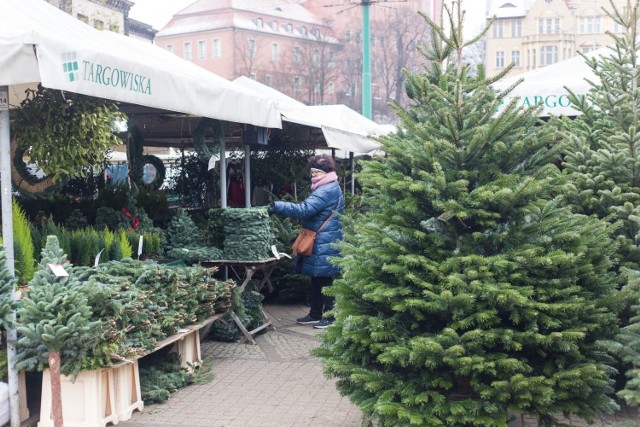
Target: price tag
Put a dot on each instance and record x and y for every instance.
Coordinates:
(140, 244)
(58, 270)
(97, 261)
(4, 100)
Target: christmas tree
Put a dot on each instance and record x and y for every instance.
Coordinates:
(53, 316)
(7, 287)
(602, 165)
(468, 291)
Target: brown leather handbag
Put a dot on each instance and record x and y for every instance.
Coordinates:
(303, 245)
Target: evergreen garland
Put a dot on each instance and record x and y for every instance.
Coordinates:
(247, 305)
(184, 241)
(205, 152)
(468, 290)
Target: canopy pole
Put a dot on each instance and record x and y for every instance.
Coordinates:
(247, 175)
(223, 174)
(353, 170)
(7, 237)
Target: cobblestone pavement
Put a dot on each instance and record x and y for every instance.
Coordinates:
(277, 383)
(274, 383)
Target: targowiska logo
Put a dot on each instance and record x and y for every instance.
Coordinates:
(70, 66)
(105, 75)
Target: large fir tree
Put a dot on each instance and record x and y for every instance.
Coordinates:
(468, 291)
(603, 166)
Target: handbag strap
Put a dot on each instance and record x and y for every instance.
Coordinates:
(329, 217)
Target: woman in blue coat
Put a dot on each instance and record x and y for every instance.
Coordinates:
(325, 201)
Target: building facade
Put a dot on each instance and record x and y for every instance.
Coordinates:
(109, 15)
(310, 50)
(535, 33)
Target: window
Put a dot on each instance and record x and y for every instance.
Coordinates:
(316, 88)
(498, 30)
(516, 28)
(202, 49)
(549, 26)
(83, 18)
(268, 80)
(296, 84)
(347, 35)
(187, 54)
(499, 59)
(253, 76)
(382, 41)
(259, 23)
(558, 29)
(373, 40)
(289, 28)
(303, 30)
(274, 25)
(534, 58)
(596, 25)
(297, 56)
(316, 57)
(216, 45)
(170, 48)
(315, 32)
(515, 58)
(98, 25)
(114, 28)
(548, 55)
(330, 88)
(540, 26)
(252, 48)
(275, 52)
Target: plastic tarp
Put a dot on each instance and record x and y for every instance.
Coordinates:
(343, 128)
(547, 85)
(41, 44)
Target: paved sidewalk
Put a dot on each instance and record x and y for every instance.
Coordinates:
(275, 383)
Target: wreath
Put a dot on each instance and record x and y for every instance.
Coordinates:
(202, 149)
(160, 171)
(24, 180)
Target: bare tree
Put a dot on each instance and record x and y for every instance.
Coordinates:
(246, 47)
(316, 61)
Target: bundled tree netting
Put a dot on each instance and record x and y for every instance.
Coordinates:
(248, 234)
(215, 228)
(186, 242)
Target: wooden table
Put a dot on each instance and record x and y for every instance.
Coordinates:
(244, 271)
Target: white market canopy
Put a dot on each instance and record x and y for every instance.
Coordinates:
(41, 44)
(342, 127)
(547, 85)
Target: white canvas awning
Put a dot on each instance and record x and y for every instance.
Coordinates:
(546, 85)
(41, 44)
(343, 128)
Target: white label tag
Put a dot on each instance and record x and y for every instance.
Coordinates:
(58, 270)
(4, 100)
(277, 254)
(95, 264)
(140, 242)
(212, 162)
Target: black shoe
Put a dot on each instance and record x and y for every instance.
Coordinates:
(324, 323)
(307, 320)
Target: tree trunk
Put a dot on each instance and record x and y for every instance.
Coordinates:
(56, 389)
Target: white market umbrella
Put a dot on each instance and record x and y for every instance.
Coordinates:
(547, 85)
(342, 127)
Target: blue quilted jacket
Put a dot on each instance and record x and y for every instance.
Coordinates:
(313, 211)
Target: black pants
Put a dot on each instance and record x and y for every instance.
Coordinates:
(318, 301)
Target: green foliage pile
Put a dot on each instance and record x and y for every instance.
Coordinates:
(142, 302)
(601, 164)
(215, 228)
(161, 374)
(24, 252)
(468, 291)
(248, 234)
(185, 241)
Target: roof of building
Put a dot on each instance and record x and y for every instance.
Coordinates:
(509, 8)
(279, 17)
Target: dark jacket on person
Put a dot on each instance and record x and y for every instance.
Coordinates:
(313, 211)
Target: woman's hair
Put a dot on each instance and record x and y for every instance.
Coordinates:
(323, 162)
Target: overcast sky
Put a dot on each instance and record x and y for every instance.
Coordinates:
(158, 12)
